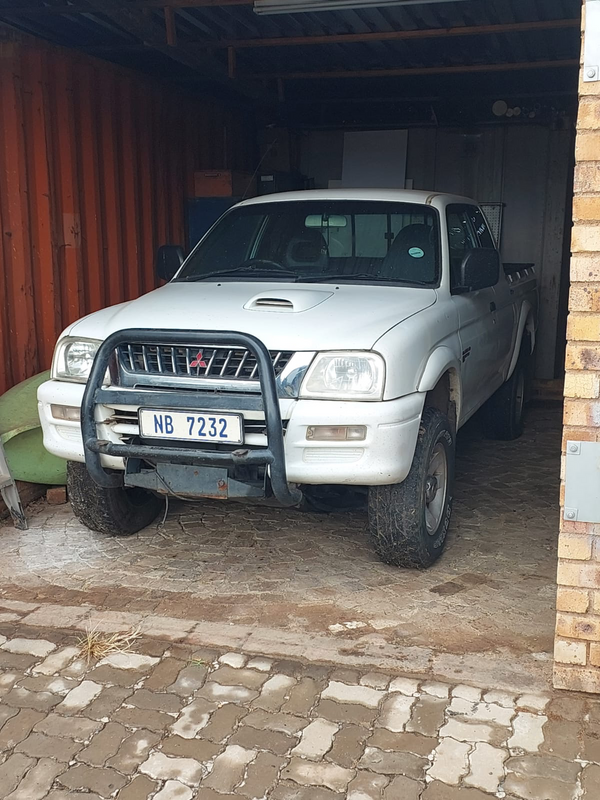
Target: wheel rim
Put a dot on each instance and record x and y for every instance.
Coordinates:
(520, 395)
(436, 487)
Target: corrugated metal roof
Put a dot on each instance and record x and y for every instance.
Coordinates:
(120, 36)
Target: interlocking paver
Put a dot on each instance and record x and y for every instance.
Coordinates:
(188, 680)
(348, 745)
(32, 647)
(404, 788)
(18, 728)
(450, 761)
(102, 781)
(345, 712)
(80, 697)
(273, 741)
(261, 776)
(274, 692)
(57, 661)
(140, 788)
(12, 770)
(163, 767)
(316, 740)
(133, 750)
(38, 780)
(486, 767)
(368, 786)
(229, 768)
(103, 745)
(78, 728)
(311, 774)
(38, 745)
(223, 722)
(343, 693)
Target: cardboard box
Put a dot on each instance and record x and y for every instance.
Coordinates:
(224, 183)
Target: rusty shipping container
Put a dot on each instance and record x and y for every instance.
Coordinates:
(95, 165)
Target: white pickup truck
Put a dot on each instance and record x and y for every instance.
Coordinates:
(311, 339)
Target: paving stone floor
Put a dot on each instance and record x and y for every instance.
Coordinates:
(487, 606)
(170, 721)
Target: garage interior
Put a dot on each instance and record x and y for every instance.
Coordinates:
(179, 108)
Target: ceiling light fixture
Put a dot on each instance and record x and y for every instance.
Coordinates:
(300, 6)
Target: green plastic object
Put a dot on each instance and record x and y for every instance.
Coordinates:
(21, 435)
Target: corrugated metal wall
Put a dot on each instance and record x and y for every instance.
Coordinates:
(95, 166)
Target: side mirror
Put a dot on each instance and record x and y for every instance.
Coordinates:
(480, 268)
(169, 258)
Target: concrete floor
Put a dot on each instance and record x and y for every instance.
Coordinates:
(311, 584)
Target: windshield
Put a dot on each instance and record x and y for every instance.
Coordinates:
(317, 240)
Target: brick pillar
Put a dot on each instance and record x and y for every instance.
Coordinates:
(577, 643)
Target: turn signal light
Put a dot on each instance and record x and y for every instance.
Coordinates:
(70, 413)
(336, 433)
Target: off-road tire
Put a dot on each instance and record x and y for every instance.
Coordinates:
(116, 512)
(397, 523)
(504, 413)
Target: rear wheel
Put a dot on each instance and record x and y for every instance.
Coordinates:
(504, 412)
(408, 521)
(117, 512)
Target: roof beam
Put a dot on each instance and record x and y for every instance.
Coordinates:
(390, 36)
(410, 71)
(98, 7)
(163, 38)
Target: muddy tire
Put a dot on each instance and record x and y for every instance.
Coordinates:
(116, 512)
(504, 412)
(408, 521)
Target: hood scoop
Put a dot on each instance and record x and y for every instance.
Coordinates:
(273, 303)
(287, 301)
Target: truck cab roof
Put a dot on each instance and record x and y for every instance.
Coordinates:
(381, 195)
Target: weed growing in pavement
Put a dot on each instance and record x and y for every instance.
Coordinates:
(96, 644)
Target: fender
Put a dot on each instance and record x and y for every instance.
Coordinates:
(526, 320)
(439, 362)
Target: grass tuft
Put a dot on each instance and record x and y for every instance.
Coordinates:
(96, 645)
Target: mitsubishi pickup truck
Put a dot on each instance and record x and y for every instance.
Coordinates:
(311, 339)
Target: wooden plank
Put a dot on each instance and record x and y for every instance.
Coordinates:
(64, 9)
(170, 26)
(410, 71)
(391, 36)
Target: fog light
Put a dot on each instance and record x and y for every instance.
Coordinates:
(70, 413)
(336, 433)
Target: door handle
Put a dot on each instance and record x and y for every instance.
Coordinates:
(492, 306)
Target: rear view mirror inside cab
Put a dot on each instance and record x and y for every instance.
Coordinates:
(325, 221)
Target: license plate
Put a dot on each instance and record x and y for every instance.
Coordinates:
(191, 426)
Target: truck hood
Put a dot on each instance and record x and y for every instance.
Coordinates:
(284, 316)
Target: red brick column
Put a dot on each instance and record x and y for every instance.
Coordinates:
(577, 643)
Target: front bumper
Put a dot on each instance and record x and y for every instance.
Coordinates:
(385, 456)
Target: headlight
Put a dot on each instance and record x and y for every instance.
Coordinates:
(73, 359)
(345, 376)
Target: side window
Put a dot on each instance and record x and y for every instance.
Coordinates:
(481, 227)
(461, 237)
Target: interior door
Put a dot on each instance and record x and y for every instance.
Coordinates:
(476, 313)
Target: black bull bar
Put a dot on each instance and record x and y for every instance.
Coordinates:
(272, 456)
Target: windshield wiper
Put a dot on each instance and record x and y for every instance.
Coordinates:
(248, 269)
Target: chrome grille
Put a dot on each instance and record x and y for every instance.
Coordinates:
(195, 361)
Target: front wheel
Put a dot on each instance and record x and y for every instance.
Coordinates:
(117, 512)
(408, 521)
